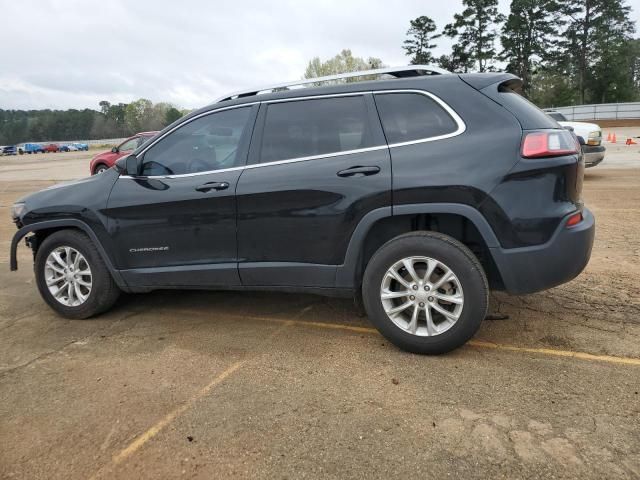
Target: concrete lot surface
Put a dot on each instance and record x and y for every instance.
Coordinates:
(259, 385)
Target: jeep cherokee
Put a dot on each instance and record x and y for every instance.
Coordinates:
(416, 194)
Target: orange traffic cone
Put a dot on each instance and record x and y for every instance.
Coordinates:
(631, 142)
(609, 137)
(613, 138)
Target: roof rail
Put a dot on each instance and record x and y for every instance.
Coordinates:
(397, 72)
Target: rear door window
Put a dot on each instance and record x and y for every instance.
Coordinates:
(316, 127)
(408, 117)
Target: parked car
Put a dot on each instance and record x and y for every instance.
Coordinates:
(9, 150)
(417, 194)
(81, 146)
(68, 147)
(51, 148)
(30, 148)
(105, 160)
(591, 135)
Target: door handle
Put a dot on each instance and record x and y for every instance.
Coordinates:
(360, 171)
(213, 186)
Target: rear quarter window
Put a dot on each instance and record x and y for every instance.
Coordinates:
(508, 95)
(408, 117)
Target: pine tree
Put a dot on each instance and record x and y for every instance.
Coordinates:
(458, 60)
(475, 29)
(610, 79)
(527, 36)
(418, 46)
(594, 40)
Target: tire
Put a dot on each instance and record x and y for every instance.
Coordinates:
(103, 291)
(101, 168)
(468, 291)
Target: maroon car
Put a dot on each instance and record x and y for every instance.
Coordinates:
(51, 148)
(105, 160)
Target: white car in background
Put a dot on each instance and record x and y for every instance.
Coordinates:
(591, 134)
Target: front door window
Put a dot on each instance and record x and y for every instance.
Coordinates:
(205, 144)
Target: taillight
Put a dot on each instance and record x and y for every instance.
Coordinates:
(549, 143)
(574, 219)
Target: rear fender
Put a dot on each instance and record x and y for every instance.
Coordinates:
(346, 273)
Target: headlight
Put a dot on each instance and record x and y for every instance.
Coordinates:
(17, 210)
(595, 138)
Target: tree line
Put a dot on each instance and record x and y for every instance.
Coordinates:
(567, 52)
(111, 121)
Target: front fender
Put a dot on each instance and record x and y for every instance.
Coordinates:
(58, 224)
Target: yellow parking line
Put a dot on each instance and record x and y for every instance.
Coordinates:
(142, 439)
(332, 326)
(473, 343)
(557, 353)
(167, 419)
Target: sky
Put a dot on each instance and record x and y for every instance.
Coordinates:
(75, 53)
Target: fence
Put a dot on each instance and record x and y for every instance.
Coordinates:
(602, 111)
(102, 141)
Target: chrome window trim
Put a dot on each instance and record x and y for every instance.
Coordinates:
(459, 122)
(461, 126)
(316, 157)
(260, 165)
(186, 122)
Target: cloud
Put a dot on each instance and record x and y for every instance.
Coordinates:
(74, 53)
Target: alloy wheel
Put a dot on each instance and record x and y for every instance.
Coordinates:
(68, 276)
(422, 296)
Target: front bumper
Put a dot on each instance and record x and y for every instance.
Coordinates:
(593, 155)
(561, 259)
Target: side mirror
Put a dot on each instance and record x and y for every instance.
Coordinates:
(581, 140)
(128, 165)
(114, 150)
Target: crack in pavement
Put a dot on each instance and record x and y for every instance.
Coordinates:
(48, 353)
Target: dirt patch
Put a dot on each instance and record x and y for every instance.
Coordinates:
(136, 392)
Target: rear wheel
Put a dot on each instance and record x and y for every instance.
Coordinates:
(72, 277)
(425, 292)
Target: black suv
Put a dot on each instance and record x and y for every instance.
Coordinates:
(418, 193)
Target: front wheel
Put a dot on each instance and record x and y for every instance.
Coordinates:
(425, 292)
(100, 169)
(72, 277)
